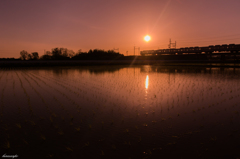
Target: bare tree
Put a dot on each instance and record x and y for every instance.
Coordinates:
(24, 55)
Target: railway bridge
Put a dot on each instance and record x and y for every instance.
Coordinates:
(212, 49)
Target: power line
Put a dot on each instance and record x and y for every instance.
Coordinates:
(212, 38)
(170, 45)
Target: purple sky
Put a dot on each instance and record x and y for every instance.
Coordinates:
(33, 25)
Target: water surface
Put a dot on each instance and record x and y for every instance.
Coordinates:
(129, 112)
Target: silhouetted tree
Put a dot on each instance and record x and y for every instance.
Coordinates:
(90, 51)
(110, 51)
(30, 57)
(79, 51)
(64, 52)
(35, 56)
(56, 53)
(46, 56)
(71, 53)
(48, 53)
(24, 55)
(98, 54)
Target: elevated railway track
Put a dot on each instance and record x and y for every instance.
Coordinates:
(209, 50)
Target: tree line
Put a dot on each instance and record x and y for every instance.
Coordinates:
(66, 54)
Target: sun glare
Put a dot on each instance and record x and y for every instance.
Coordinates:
(147, 38)
(146, 82)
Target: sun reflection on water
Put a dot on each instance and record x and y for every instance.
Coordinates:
(146, 82)
(146, 86)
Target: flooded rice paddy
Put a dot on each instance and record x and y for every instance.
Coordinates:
(120, 112)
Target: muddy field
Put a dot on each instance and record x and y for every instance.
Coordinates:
(120, 112)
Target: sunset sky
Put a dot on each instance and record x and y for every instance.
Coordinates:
(33, 25)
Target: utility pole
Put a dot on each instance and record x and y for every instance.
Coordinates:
(174, 45)
(135, 49)
(170, 45)
(127, 53)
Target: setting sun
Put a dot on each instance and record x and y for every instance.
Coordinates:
(147, 38)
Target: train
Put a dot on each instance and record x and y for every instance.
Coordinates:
(226, 48)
